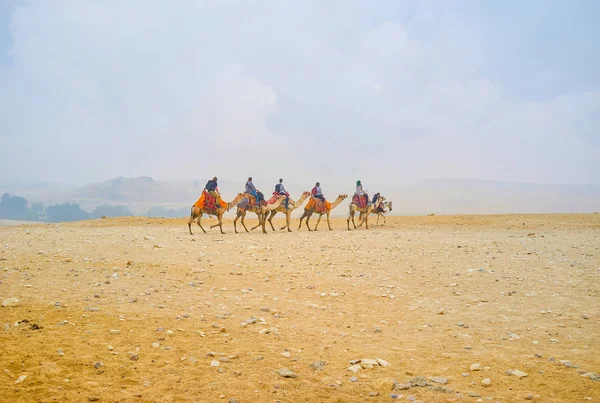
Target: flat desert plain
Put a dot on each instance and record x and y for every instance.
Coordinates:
(433, 309)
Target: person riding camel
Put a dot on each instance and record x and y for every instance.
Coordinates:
(379, 207)
(213, 189)
(251, 190)
(280, 189)
(317, 192)
(362, 195)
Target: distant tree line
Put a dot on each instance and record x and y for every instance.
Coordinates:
(18, 208)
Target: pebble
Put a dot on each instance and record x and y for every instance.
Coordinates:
(529, 397)
(21, 379)
(286, 373)
(354, 379)
(401, 386)
(476, 367)
(419, 381)
(215, 363)
(439, 379)
(383, 363)
(519, 374)
(98, 364)
(486, 382)
(13, 301)
(373, 394)
(317, 365)
(465, 374)
(114, 331)
(60, 352)
(354, 368)
(93, 398)
(584, 317)
(286, 354)
(134, 357)
(233, 400)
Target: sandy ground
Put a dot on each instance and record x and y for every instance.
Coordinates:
(137, 310)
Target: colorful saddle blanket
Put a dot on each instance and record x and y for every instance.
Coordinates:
(318, 205)
(251, 201)
(208, 201)
(360, 201)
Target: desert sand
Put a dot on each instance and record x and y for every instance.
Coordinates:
(137, 310)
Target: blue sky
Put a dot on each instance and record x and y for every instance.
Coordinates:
(395, 91)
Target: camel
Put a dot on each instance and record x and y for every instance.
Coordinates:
(310, 209)
(218, 211)
(287, 211)
(261, 212)
(364, 212)
(382, 213)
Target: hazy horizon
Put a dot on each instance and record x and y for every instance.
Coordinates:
(390, 93)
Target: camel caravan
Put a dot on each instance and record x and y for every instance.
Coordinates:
(253, 201)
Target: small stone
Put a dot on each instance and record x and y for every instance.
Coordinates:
(286, 373)
(352, 362)
(114, 331)
(60, 352)
(233, 400)
(419, 381)
(93, 398)
(98, 365)
(317, 365)
(21, 379)
(529, 397)
(439, 379)
(354, 379)
(394, 396)
(519, 374)
(134, 357)
(369, 361)
(465, 374)
(215, 363)
(373, 394)
(155, 345)
(442, 389)
(441, 312)
(487, 382)
(585, 317)
(401, 386)
(476, 367)
(383, 363)
(355, 368)
(259, 357)
(13, 301)
(286, 354)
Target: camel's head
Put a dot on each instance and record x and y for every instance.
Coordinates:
(390, 205)
(307, 194)
(343, 196)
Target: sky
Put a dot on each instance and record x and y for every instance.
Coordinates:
(393, 91)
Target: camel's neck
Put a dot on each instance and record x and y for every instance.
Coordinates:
(336, 202)
(299, 202)
(235, 201)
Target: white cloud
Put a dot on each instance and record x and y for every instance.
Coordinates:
(306, 89)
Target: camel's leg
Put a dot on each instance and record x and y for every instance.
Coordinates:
(383, 218)
(237, 215)
(288, 217)
(378, 218)
(264, 222)
(243, 223)
(318, 221)
(271, 215)
(301, 218)
(328, 223)
(308, 218)
(260, 221)
(199, 223)
(191, 220)
(219, 223)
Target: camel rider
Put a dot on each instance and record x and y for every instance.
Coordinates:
(361, 193)
(251, 190)
(280, 189)
(317, 192)
(213, 189)
(380, 206)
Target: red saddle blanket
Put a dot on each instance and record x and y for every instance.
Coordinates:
(318, 205)
(208, 201)
(252, 200)
(360, 201)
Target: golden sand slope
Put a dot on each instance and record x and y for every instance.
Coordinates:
(135, 309)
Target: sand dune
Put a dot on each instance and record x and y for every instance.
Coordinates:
(136, 309)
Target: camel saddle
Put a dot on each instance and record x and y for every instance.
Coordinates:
(317, 205)
(360, 201)
(252, 200)
(206, 201)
